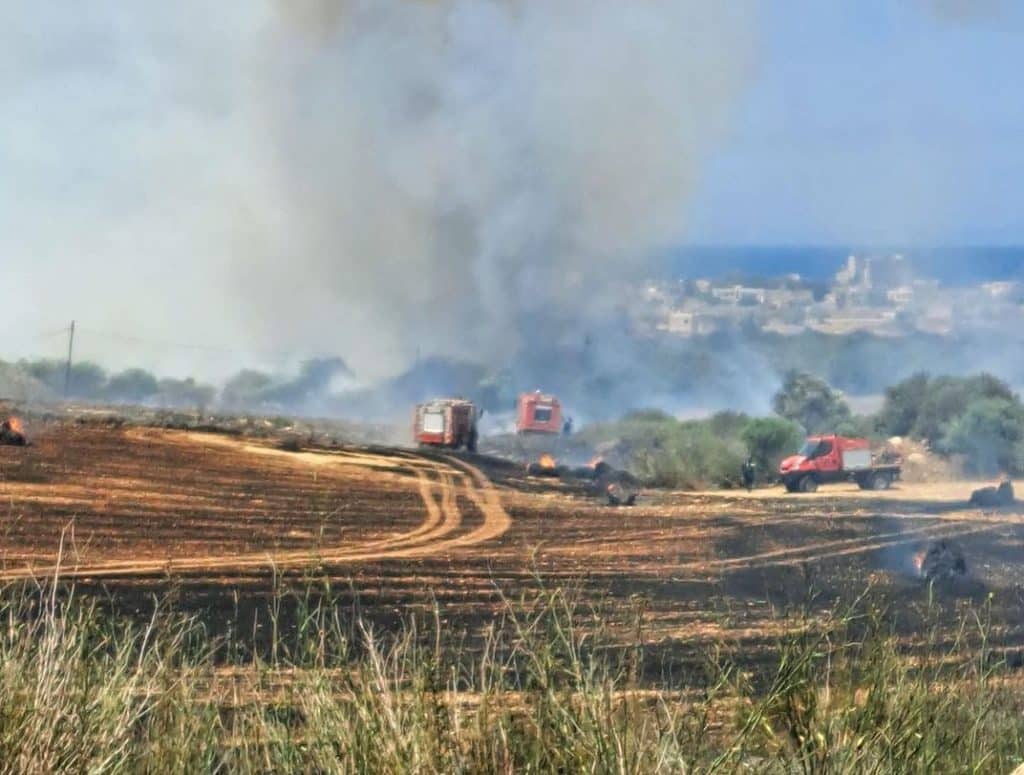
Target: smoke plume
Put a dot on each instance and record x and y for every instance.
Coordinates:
(474, 179)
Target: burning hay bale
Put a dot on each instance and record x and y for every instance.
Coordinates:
(595, 469)
(994, 497)
(940, 561)
(546, 465)
(597, 477)
(12, 433)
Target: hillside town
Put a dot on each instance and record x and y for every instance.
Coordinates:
(883, 296)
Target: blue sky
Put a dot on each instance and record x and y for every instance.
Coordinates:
(875, 121)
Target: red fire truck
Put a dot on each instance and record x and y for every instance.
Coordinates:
(446, 422)
(538, 413)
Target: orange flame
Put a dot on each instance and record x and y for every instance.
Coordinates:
(595, 461)
(15, 425)
(547, 461)
(919, 562)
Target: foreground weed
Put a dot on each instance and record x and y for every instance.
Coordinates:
(548, 687)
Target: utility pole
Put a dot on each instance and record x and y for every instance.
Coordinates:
(71, 350)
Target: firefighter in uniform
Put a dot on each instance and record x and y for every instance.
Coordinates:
(749, 474)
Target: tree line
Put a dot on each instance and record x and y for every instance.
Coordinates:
(248, 389)
(977, 418)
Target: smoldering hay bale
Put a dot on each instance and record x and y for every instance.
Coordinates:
(994, 497)
(942, 561)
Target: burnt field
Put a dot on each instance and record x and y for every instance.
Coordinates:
(219, 522)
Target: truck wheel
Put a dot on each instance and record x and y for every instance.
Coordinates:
(808, 484)
(792, 486)
(471, 442)
(880, 481)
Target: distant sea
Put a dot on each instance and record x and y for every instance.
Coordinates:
(950, 265)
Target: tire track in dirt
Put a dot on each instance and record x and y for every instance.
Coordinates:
(440, 500)
(814, 553)
(843, 548)
(442, 521)
(485, 496)
(435, 518)
(818, 552)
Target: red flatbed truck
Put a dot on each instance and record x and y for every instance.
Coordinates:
(834, 458)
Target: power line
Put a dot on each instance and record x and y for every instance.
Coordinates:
(62, 331)
(181, 345)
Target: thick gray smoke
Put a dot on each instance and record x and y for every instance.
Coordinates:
(467, 177)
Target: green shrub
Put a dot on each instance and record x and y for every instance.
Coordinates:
(728, 424)
(990, 434)
(86, 379)
(924, 406)
(811, 402)
(185, 393)
(133, 385)
(245, 388)
(945, 399)
(666, 452)
(902, 406)
(769, 440)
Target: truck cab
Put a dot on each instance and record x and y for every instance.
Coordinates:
(538, 413)
(834, 458)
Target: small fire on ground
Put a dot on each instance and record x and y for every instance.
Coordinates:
(918, 562)
(545, 465)
(12, 432)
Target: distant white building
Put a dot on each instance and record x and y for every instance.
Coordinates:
(734, 294)
(850, 273)
(901, 296)
(780, 298)
(685, 323)
(849, 321)
(868, 274)
(680, 323)
(1003, 291)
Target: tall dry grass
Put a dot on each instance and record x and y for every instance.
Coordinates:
(547, 688)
